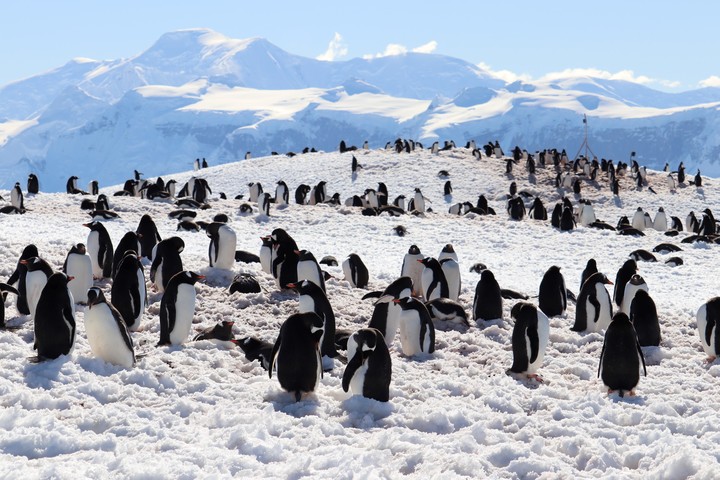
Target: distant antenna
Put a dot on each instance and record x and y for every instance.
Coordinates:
(585, 142)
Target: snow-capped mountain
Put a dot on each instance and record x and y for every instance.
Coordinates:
(196, 93)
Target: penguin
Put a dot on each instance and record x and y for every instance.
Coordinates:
(355, 271)
(590, 268)
(446, 310)
(451, 269)
(100, 248)
(19, 276)
(295, 355)
(106, 331)
(129, 242)
(644, 317)
(567, 222)
(386, 314)
(223, 242)
(623, 276)
(660, 222)
(256, 349)
(71, 185)
(621, 357)
(147, 235)
(129, 292)
(301, 193)
(38, 272)
(419, 201)
(674, 261)
(417, 332)
(641, 255)
(266, 250)
(264, 203)
(448, 251)
(708, 325)
(166, 262)
(556, 215)
(552, 298)
(631, 287)
(447, 188)
(691, 223)
(33, 185)
(537, 210)
(222, 332)
(177, 308)
(284, 258)
(433, 281)
(530, 337)
(244, 283)
(54, 319)
(93, 189)
(586, 216)
(16, 197)
(309, 269)
(369, 368)
(664, 248)
(282, 193)
(79, 266)
(313, 299)
(594, 308)
(413, 268)
(487, 304)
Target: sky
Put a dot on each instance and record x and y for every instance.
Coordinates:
(662, 44)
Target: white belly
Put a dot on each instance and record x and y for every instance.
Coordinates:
(226, 251)
(308, 271)
(79, 267)
(266, 259)
(358, 379)
(184, 312)
(451, 269)
(410, 333)
(103, 334)
(605, 316)
(159, 278)
(34, 284)
(142, 288)
(93, 247)
(543, 339)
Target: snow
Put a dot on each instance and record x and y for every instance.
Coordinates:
(11, 128)
(202, 410)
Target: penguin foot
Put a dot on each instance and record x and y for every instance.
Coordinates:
(710, 359)
(536, 377)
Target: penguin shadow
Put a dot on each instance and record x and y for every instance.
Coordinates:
(448, 198)
(217, 277)
(654, 355)
(639, 400)
(365, 413)
(43, 373)
(532, 179)
(354, 177)
(284, 402)
(618, 201)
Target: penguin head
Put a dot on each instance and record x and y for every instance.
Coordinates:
(29, 251)
(366, 340)
(414, 250)
(448, 248)
(487, 276)
(95, 296)
(620, 317)
(221, 218)
(637, 280)
(630, 265)
(519, 307)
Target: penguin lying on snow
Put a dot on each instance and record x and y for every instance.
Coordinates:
(221, 332)
(446, 310)
(256, 349)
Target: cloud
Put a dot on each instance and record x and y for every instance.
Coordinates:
(336, 49)
(429, 47)
(505, 75)
(397, 49)
(627, 75)
(713, 81)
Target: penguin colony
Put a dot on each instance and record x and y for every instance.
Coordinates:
(423, 298)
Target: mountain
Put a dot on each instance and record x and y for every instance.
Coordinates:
(196, 93)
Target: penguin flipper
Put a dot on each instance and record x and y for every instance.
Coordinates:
(274, 354)
(594, 301)
(602, 357)
(353, 365)
(571, 296)
(532, 334)
(642, 358)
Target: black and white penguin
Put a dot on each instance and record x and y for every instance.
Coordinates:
(256, 349)
(129, 292)
(433, 281)
(128, 243)
(100, 248)
(177, 308)
(644, 317)
(106, 331)
(660, 222)
(417, 332)
(182, 215)
(664, 248)
(556, 215)
(641, 255)
(444, 310)
(530, 337)
(38, 272)
(623, 276)
(296, 356)
(55, 319)
(448, 251)
(71, 185)
(567, 221)
(223, 242)
(284, 258)
(18, 277)
(635, 283)
(355, 271)
(79, 266)
(266, 250)
(301, 193)
(691, 223)
(590, 268)
(166, 262)
(147, 235)
(708, 325)
(594, 307)
(621, 357)
(369, 368)
(244, 283)
(93, 188)
(282, 193)
(222, 332)
(419, 201)
(16, 197)
(309, 269)
(487, 304)
(313, 299)
(264, 203)
(451, 269)
(538, 210)
(4, 290)
(413, 268)
(33, 185)
(386, 314)
(552, 297)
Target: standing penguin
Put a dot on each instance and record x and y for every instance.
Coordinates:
(38, 272)
(295, 355)
(55, 319)
(451, 269)
(177, 308)
(419, 201)
(33, 185)
(417, 332)
(282, 193)
(19, 276)
(16, 197)
(264, 203)
(487, 304)
(148, 236)
(369, 366)
(594, 308)
(223, 242)
(128, 243)
(129, 293)
(166, 262)
(355, 271)
(644, 317)
(266, 251)
(413, 268)
(4, 290)
(621, 357)
(79, 266)
(313, 299)
(567, 222)
(553, 294)
(386, 315)
(708, 325)
(433, 281)
(448, 251)
(530, 338)
(660, 222)
(100, 249)
(309, 269)
(623, 276)
(590, 268)
(284, 258)
(106, 331)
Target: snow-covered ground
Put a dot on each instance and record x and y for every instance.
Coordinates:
(202, 410)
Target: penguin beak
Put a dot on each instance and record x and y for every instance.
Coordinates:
(70, 279)
(24, 262)
(291, 285)
(608, 282)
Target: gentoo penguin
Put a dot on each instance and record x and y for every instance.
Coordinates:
(433, 281)
(621, 357)
(4, 290)
(355, 271)
(369, 366)
(641, 255)
(18, 278)
(33, 185)
(256, 349)
(223, 242)
(55, 319)
(594, 308)
(166, 262)
(266, 254)
(487, 304)
(590, 268)
(177, 308)
(264, 203)
(638, 219)
(448, 251)
(644, 317)
(301, 193)
(38, 272)
(417, 332)
(106, 331)
(129, 292)
(586, 215)
(386, 314)
(413, 268)
(446, 310)
(691, 223)
(147, 235)
(451, 269)
(538, 210)
(313, 299)
(567, 222)
(93, 188)
(255, 191)
(556, 215)
(708, 325)
(623, 276)
(129, 242)
(71, 185)
(284, 258)
(79, 266)
(282, 193)
(419, 201)
(16, 197)
(309, 269)
(674, 261)
(660, 223)
(530, 337)
(664, 248)
(631, 287)
(100, 248)
(552, 297)
(222, 332)
(182, 215)
(296, 356)
(244, 283)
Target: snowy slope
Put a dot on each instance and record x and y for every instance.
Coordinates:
(200, 410)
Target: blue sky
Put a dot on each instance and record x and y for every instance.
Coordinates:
(663, 44)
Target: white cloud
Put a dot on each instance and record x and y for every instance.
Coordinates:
(627, 75)
(336, 49)
(505, 75)
(429, 47)
(713, 81)
(397, 49)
